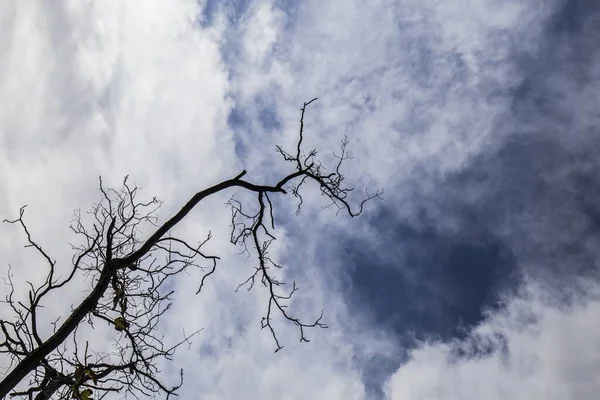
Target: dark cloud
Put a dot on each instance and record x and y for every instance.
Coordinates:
(425, 283)
(532, 198)
(529, 204)
(539, 188)
(421, 284)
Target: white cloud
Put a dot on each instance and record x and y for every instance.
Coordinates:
(417, 86)
(112, 88)
(535, 348)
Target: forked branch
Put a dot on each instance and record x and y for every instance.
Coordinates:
(128, 276)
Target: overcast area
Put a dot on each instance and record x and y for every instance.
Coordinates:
(475, 277)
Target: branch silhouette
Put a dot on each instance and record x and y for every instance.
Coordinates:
(128, 275)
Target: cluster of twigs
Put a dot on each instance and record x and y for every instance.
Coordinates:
(128, 276)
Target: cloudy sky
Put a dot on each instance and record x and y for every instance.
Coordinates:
(475, 277)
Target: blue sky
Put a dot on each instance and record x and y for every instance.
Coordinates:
(475, 277)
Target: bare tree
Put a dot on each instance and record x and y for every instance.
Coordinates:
(128, 276)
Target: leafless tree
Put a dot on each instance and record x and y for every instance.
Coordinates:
(128, 276)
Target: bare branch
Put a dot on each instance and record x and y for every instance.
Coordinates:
(128, 275)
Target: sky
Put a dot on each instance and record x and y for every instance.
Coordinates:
(475, 277)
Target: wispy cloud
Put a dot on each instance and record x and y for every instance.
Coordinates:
(537, 347)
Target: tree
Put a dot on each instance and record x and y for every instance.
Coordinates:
(128, 276)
